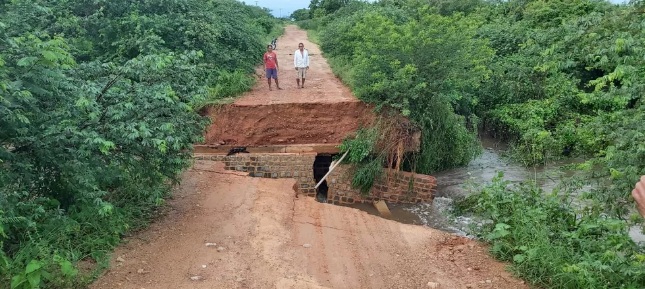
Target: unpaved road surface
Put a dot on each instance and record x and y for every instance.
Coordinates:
(267, 238)
(321, 85)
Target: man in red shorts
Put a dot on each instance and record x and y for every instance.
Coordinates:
(271, 66)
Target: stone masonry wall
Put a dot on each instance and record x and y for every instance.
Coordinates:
(396, 187)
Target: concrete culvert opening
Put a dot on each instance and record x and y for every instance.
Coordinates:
(321, 167)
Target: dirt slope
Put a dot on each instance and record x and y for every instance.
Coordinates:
(291, 123)
(270, 239)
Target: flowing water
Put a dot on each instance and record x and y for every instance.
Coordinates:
(480, 172)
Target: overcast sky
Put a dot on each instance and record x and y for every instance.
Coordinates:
(286, 7)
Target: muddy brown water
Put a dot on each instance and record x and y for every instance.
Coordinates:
(461, 182)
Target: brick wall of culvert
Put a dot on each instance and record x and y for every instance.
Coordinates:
(395, 186)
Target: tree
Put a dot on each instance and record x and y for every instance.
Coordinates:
(300, 14)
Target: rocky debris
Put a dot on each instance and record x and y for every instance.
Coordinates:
(220, 249)
(433, 285)
(141, 271)
(120, 259)
(307, 245)
(211, 244)
(196, 278)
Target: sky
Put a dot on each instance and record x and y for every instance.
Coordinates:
(284, 8)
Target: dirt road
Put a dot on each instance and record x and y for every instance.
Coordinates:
(267, 238)
(321, 85)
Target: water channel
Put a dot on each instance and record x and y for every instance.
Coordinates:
(480, 172)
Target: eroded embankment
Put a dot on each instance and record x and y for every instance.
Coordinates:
(289, 123)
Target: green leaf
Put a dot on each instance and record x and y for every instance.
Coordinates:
(50, 56)
(68, 269)
(34, 279)
(33, 266)
(27, 61)
(17, 281)
(519, 258)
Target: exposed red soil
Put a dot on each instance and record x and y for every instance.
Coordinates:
(293, 123)
(271, 239)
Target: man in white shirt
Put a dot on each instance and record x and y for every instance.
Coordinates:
(301, 62)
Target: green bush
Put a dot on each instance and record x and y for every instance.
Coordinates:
(418, 62)
(551, 243)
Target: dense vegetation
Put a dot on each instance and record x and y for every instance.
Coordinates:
(98, 114)
(557, 79)
(553, 243)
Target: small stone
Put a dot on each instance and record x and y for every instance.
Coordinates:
(220, 249)
(469, 286)
(469, 269)
(489, 281)
(211, 244)
(307, 245)
(196, 278)
(141, 271)
(433, 285)
(120, 259)
(239, 279)
(204, 266)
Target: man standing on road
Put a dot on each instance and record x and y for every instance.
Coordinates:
(301, 62)
(271, 66)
